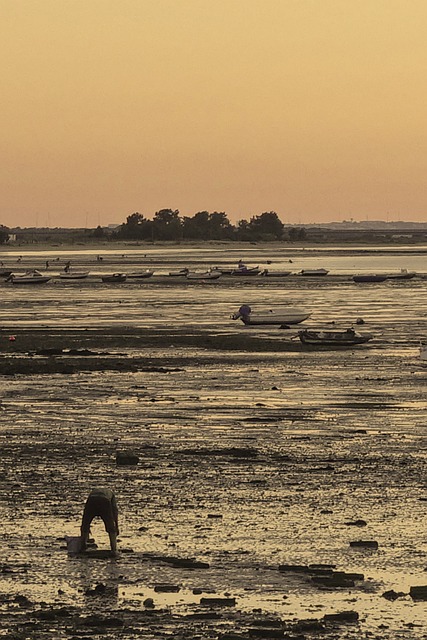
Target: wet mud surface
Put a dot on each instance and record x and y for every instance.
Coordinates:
(280, 490)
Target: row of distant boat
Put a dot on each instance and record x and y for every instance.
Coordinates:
(36, 277)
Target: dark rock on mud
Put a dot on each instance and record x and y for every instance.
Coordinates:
(186, 563)
(218, 602)
(126, 458)
(418, 593)
(356, 523)
(342, 617)
(393, 595)
(364, 544)
(167, 588)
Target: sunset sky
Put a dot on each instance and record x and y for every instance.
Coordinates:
(316, 109)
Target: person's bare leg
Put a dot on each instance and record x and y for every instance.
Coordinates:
(113, 542)
(84, 534)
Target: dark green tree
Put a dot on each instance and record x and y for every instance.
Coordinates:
(136, 227)
(196, 227)
(266, 226)
(167, 225)
(220, 226)
(4, 234)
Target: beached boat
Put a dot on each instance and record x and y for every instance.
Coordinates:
(30, 277)
(275, 274)
(246, 271)
(369, 277)
(114, 277)
(204, 275)
(73, 275)
(179, 272)
(140, 274)
(278, 316)
(403, 274)
(332, 338)
(314, 272)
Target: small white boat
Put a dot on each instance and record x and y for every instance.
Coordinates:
(279, 316)
(204, 275)
(140, 274)
(340, 338)
(73, 275)
(30, 277)
(314, 272)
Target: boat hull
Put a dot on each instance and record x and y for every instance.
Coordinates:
(33, 280)
(140, 275)
(247, 271)
(314, 272)
(116, 277)
(369, 278)
(274, 319)
(333, 338)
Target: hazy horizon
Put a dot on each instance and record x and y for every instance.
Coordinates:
(315, 110)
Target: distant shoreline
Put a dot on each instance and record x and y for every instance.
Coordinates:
(344, 247)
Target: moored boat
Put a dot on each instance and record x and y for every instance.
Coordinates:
(213, 274)
(246, 271)
(279, 316)
(114, 277)
(314, 272)
(369, 277)
(29, 277)
(140, 274)
(332, 338)
(179, 272)
(403, 274)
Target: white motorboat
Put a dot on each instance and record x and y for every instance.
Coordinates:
(73, 275)
(278, 316)
(29, 277)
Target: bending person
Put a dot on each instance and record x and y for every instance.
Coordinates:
(102, 503)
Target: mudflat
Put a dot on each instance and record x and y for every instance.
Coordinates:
(276, 490)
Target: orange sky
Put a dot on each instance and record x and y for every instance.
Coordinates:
(313, 108)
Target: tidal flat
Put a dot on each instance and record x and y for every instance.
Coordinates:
(261, 461)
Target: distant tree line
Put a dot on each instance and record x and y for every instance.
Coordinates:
(167, 224)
